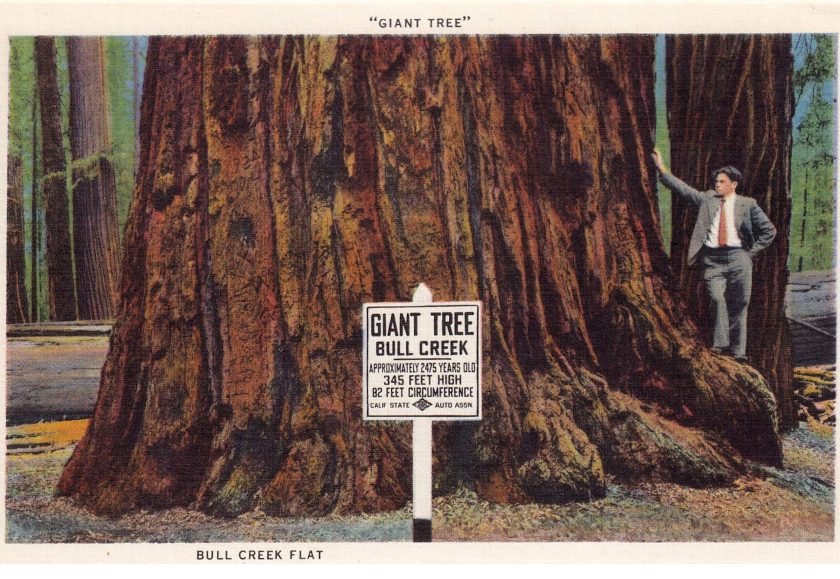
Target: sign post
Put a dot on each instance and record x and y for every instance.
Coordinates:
(422, 362)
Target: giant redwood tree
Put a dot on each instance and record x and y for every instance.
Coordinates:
(730, 102)
(95, 232)
(285, 181)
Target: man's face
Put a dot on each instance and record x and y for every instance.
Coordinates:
(724, 185)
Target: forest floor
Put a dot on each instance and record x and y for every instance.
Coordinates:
(52, 382)
(795, 503)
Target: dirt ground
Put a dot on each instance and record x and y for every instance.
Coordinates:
(791, 504)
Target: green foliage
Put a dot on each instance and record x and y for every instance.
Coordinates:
(818, 65)
(120, 80)
(813, 163)
(21, 73)
(22, 99)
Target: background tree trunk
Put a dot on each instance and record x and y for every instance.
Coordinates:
(17, 310)
(730, 102)
(302, 177)
(35, 239)
(95, 230)
(61, 295)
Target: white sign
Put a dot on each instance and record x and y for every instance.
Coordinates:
(422, 361)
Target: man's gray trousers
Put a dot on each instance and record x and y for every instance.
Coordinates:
(728, 276)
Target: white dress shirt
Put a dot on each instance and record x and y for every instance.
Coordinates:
(732, 239)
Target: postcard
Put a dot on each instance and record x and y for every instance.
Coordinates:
(384, 282)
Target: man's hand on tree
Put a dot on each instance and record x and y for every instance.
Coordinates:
(657, 160)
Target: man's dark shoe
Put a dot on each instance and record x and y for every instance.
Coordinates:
(743, 359)
(718, 350)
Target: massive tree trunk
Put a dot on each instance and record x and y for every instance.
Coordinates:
(17, 310)
(60, 295)
(302, 177)
(95, 230)
(730, 102)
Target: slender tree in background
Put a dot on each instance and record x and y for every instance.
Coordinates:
(301, 177)
(35, 240)
(95, 231)
(61, 294)
(730, 102)
(17, 309)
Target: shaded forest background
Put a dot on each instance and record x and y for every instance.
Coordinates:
(813, 162)
(124, 67)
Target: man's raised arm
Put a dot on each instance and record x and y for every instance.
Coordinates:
(675, 185)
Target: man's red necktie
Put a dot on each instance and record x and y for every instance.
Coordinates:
(722, 227)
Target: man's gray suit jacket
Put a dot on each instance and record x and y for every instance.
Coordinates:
(754, 227)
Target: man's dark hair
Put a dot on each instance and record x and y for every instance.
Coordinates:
(730, 171)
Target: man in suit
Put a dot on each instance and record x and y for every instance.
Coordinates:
(730, 230)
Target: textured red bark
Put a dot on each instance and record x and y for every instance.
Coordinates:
(302, 177)
(730, 102)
